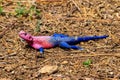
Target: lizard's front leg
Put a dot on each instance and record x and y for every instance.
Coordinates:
(41, 50)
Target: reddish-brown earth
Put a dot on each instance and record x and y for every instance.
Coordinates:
(72, 17)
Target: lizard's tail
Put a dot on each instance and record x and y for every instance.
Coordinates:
(87, 38)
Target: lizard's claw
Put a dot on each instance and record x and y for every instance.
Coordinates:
(40, 55)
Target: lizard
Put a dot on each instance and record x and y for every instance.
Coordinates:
(64, 41)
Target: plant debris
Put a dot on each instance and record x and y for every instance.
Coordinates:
(71, 17)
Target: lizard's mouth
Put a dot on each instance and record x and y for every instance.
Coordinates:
(22, 40)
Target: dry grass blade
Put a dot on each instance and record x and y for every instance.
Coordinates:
(71, 17)
(76, 5)
(93, 55)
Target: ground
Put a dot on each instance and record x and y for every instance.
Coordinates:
(71, 17)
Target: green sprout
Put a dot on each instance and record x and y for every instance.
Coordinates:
(38, 25)
(37, 12)
(87, 63)
(21, 10)
(1, 10)
(33, 11)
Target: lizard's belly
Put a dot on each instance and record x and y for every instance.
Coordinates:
(47, 45)
(43, 41)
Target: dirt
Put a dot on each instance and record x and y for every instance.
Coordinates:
(71, 17)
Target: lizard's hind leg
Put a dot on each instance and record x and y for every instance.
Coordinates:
(76, 47)
(67, 46)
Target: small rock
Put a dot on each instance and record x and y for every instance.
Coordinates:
(89, 79)
(64, 62)
(111, 74)
(13, 72)
(48, 69)
(82, 43)
(70, 71)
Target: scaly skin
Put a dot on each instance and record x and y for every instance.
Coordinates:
(42, 42)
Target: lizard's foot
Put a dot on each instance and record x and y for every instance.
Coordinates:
(80, 49)
(76, 47)
(40, 55)
(41, 50)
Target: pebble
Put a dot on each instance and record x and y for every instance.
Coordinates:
(111, 73)
(89, 79)
(48, 69)
(64, 62)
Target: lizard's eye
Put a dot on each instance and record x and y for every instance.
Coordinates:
(25, 34)
(30, 38)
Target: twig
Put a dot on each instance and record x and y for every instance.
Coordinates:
(90, 55)
(95, 20)
(76, 5)
(9, 55)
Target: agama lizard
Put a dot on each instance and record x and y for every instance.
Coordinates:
(64, 41)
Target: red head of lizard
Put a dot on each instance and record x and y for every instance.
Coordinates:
(27, 37)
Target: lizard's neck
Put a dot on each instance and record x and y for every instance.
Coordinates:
(30, 42)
